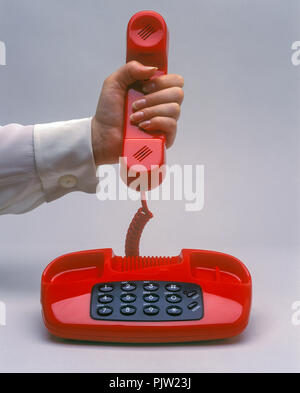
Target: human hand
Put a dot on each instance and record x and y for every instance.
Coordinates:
(159, 110)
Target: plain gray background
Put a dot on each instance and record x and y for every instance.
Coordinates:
(240, 119)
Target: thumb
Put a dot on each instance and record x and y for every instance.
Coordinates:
(132, 72)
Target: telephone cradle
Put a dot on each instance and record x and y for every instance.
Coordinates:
(98, 296)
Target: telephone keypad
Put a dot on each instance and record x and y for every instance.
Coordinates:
(146, 301)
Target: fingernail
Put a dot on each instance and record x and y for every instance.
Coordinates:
(135, 117)
(139, 104)
(151, 68)
(149, 87)
(145, 124)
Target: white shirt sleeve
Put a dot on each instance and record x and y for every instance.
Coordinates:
(44, 162)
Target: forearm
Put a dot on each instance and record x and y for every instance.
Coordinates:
(44, 162)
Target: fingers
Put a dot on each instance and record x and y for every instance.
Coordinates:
(159, 110)
(172, 94)
(166, 125)
(160, 117)
(163, 110)
(130, 73)
(163, 82)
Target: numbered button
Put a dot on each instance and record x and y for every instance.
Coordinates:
(174, 298)
(151, 298)
(173, 287)
(106, 288)
(128, 297)
(151, 310)
(151, 286)
(128, 310)
(128, 286)
(105, 299)
(104, 311)
(174, 311)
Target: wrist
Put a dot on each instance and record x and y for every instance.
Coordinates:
(96, 141)
(99, 143)
(106, 143)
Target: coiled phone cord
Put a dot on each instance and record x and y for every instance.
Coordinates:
(135, 230)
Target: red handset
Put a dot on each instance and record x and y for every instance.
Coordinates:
(144, 153)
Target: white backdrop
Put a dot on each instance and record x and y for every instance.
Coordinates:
(240, 120)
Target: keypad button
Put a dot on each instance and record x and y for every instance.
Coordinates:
(174, 310)
(151, 298)
(191, 293)
(173, 287)
(105, 299)
(106, 288)
(174, 298)
(192, 305)
(128, 297)
(151, 286)
(128, 310)
(104, 311)
(151, 310)
(128, 286)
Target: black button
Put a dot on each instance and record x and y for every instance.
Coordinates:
(104, 311)
(192, 305)
(151, 298)
(151, 286)
(174, 298)
(128, 286)
(173, 287)
(151, 310)
(105, 299)
(174, 310)
(128, 310)
(106, 288)
(128, 297)
(191, 293)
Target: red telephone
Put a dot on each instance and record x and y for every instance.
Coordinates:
(143, 153)
(98, 296)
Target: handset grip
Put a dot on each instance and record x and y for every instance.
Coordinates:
(143, 153)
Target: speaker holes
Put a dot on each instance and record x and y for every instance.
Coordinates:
(146, 32)
(141, 154)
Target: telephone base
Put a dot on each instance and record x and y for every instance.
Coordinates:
(98, 296)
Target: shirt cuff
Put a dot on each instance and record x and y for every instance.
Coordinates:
(64, 157)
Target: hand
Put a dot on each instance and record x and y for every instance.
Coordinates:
(158, 111)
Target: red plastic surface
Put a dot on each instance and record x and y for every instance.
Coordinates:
(68, 281)
(144, 153)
